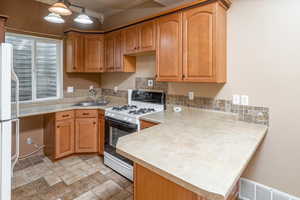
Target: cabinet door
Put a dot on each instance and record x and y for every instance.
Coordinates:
(198, 29)
(94, 47)
(101, 131)
(74, 52)
(147, 37)
(169, 48)
(86, 135)
(109, 52)
(148, 185)
(64, 138)
(118, 67)
(2, 29)
(130, 40)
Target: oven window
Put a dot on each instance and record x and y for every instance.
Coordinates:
(115, 134)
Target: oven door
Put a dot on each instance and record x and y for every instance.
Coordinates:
(114, 129)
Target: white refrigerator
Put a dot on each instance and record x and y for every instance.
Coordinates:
(9, 122)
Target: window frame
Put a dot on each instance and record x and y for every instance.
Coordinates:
(59, 71)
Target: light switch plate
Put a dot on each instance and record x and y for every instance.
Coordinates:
(236, 99)
(150, 83)
(70, 89)
(245, 100)
(191, 96)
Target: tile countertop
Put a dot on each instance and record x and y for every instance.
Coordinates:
(27, 110)
(203, 151)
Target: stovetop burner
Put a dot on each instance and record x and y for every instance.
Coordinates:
(141, 111)
(125, 107)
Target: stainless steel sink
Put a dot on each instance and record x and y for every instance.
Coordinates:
(92, 103)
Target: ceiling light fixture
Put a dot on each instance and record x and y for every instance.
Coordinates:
(83, 18)
(61, 8)
(54, 18)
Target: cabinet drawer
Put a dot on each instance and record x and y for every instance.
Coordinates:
(64, 115)
(86, 113)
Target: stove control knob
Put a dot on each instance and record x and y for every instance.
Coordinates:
(125, 118)
(129, 120)
(108, 114)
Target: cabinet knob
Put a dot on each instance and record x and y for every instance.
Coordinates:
(58, 126)
(94, 123)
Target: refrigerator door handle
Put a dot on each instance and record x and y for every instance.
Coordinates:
(15, 78)
(15, 157)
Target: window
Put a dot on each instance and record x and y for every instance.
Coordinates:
(37, 63)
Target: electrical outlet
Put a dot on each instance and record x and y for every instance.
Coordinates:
(245, 100)
(29, 140)
(236, 99)
(150, 83)
(91, 87)
(70, 89)
(116, 89)
(191, 96)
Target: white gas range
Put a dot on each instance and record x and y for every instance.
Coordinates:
(124, 120)
(132, 113)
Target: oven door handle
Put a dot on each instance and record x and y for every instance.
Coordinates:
(118, 123)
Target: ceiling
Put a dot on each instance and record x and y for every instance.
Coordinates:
(105, 8)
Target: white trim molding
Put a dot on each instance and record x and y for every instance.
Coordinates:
(250, 190)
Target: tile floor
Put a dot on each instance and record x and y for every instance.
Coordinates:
(77, 177)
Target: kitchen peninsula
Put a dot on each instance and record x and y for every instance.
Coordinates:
(194, 154)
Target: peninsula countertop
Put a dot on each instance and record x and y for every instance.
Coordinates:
(203, 151)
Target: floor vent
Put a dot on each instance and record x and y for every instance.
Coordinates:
(250, 190)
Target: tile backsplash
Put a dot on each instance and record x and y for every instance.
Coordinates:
(251, 114)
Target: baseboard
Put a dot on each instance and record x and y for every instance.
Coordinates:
(250, 190)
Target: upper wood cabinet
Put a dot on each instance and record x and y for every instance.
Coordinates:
(169, 48)
(139, 38)
(109, 52)
(204, 44)
(84, 52)
(113, 52)
(94, 53)
(147, 36)
(74, 52)
(2, 28)
(115, 61)
(130, 40)
(191, 45)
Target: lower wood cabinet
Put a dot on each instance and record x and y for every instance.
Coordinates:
(149, 185)
(146, 124)
(64, 138)
(101, 131)
(69, 132)
(86, 135)
(59, 134)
